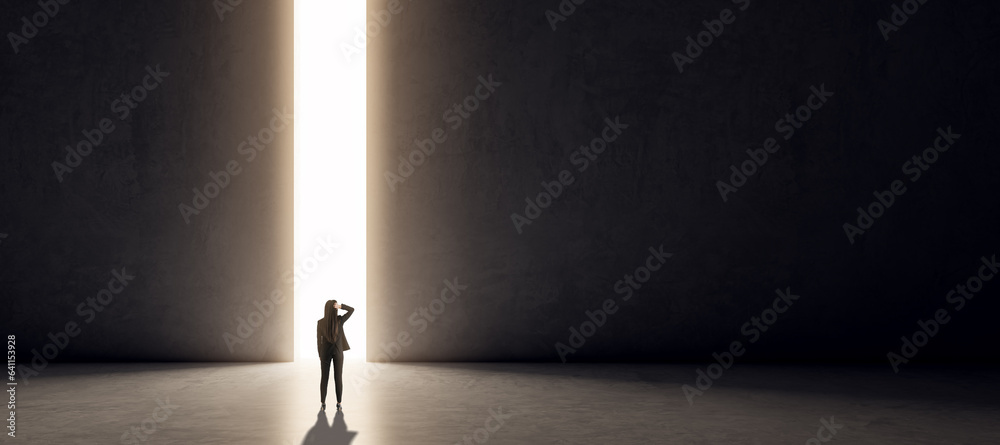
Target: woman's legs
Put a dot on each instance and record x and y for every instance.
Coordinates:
(338, 371)
(324, 362)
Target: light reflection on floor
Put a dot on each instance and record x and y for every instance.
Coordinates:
(278, 403)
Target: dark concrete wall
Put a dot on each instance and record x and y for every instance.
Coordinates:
(119, 208)
(657, 183)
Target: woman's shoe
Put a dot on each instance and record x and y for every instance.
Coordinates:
(339, 408)
(323, 408)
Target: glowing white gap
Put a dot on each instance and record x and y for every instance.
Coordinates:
(329, 168)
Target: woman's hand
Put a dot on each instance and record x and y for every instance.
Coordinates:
(336, 305)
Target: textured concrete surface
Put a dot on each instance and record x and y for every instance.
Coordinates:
(538, 403)
(656, 184)
(119, 207)
(653, 186)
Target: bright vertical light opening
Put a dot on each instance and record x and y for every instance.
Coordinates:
(330, 168)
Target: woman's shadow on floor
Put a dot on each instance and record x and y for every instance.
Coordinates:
(325, 433)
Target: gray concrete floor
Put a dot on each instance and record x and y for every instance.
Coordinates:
(278, 403)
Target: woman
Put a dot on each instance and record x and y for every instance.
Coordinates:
(332, 343)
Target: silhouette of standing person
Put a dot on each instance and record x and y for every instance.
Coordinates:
(331, 343)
